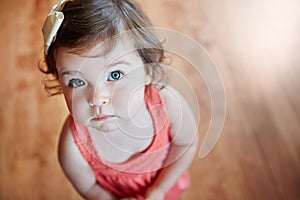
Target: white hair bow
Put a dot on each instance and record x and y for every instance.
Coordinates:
(52, 24)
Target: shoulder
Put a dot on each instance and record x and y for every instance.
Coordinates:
(73, 164)
(184, 126)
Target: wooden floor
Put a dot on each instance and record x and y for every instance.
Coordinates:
(256, 46)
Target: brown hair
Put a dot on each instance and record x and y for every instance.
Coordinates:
(87, 22)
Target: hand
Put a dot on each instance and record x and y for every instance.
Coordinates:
(155, 194)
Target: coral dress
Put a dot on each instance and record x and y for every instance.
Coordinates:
(132, 177)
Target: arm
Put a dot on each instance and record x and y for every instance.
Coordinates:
(77, 169)
(184, 132)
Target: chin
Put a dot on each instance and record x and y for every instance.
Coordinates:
(106, 127)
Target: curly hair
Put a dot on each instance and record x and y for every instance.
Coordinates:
(88, 22)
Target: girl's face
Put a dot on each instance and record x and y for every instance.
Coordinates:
(103, 92)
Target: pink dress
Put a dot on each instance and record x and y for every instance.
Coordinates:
(133, 177)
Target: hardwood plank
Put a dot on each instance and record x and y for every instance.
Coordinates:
(256, 48)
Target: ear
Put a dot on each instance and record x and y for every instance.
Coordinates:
(148, 79)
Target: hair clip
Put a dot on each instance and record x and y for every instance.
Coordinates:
(52, 24)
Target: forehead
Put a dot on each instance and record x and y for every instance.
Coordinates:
(111, 48)
(123, 49)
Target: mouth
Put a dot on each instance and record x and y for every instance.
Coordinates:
(100, 118)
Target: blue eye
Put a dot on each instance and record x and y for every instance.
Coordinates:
(75, 82)
(115, 75)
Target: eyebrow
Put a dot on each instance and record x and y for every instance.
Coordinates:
(118, 63)
(72, 72)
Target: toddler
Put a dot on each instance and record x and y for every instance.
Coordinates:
(128, 135)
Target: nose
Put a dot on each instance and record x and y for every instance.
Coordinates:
(99, 98)
(99, 102)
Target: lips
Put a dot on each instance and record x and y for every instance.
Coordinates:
(102, 117)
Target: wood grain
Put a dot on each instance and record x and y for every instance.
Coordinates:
(256, 47)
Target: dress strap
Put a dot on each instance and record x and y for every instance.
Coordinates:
(152, 96)
(83, 140)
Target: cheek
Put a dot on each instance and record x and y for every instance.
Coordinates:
(136, 98)
(74, 103)
(128, 102)
(136, 102)
(69, 101)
